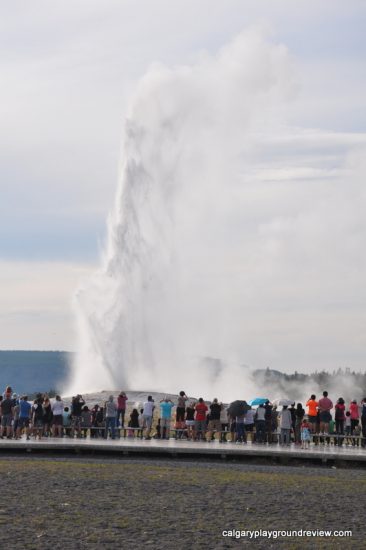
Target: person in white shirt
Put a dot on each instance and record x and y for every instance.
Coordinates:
(57, 408)
(148, 415)
(285, 425)
(260, 424)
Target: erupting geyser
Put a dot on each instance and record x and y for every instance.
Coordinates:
(206, 234)
(162, 296)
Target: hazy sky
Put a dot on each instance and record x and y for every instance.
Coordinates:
(68, 70)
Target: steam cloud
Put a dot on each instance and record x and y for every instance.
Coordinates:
(234, 237)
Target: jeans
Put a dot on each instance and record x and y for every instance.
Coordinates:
(339, 425)
(260, 428)
(240, 432)
(110, 422)
(339, 428)
(285, 436)
(298, 430)
(354, 423)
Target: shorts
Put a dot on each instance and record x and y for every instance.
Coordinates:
(23, 422)
(200, 425)
(190, 422)
(6, 420)
(325, 417)
(57, 420)
(147, 421)
(165, 422)
(249, 427)
(312, 419)
(214, 425)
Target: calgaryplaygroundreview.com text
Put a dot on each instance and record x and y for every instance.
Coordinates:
(283, 533)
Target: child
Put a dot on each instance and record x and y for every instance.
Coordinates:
(66, 421)
(134, 422)
(348, 428)
(157, 434)
(305, 434)
(356, 436)
(190, 423)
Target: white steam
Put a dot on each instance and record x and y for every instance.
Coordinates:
(219, 220)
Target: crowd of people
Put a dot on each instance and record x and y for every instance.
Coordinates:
(191, 419)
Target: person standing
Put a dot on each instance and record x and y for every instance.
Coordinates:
(224, 421)
(293, 418)
(214, 424)
(121, 408)
(110, 417)
(57, 416)
(134, 422)
(268, 420)
(77, 404)
(355, 415)
(241, 436)
(299, 415)
(25, 413)
(285, 426)
(148, 411)
(260, 424)
(200, 424)
(181, 410)
(47, 416)
(305, 434)
(37, 416)
(7, 408)
(16, 410)
(339, 420)
(312, 406)
(325, 405)
(249, 422)
(166, 406)
(66, 422)
(190, 422)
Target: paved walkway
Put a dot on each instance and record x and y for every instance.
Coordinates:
(173, 447)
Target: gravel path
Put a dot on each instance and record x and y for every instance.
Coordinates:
(79, 503)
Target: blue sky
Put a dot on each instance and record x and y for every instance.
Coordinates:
(68, 71)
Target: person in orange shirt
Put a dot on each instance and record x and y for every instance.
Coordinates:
(312, 406)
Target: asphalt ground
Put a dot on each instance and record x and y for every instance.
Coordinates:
(103, 503)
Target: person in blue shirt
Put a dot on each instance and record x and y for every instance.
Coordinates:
(166, 406)
(25, 413)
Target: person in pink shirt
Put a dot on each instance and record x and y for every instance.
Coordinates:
(355, 415)
(325, 405)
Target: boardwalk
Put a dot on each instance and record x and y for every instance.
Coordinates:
(179, 448)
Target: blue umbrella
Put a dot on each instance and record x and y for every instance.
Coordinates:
(258, 401)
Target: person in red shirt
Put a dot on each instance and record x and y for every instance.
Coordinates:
(121, 408)
(340, 417)
(355, 415)
(200, 418)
